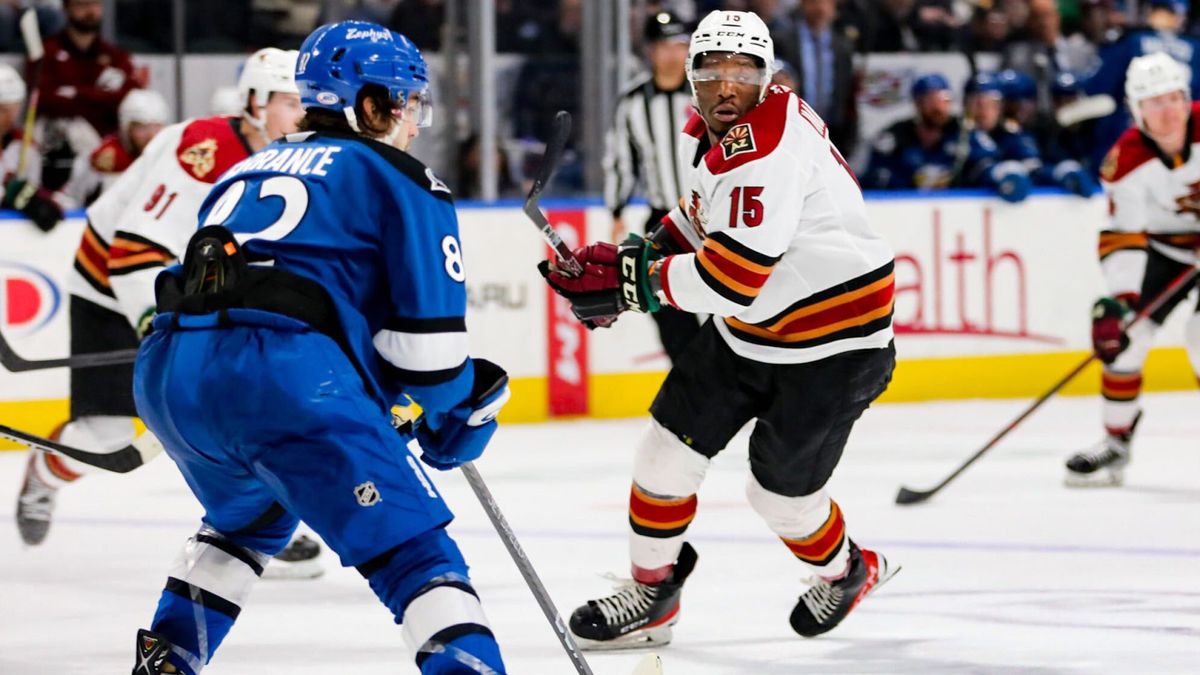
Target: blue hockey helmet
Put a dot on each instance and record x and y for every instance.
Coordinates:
(1016, 86)
(339, 59)
(983, 83)
(928, 83)
(1066, 83)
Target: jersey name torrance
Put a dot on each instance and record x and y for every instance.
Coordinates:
(783, 251)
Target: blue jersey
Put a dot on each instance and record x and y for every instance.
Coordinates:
(900, 162)
(378, 231)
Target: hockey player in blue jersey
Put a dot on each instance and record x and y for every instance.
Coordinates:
(326, 279)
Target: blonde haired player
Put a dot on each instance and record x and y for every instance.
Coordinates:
(1152, 179)
(138, 226)
(772, 239)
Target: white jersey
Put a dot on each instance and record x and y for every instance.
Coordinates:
(144, 220)
(1154, 202)
(784, 257)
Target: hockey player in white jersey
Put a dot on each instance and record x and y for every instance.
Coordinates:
(142, 114)
(772, 239)
(138, 226)
(1152, 179)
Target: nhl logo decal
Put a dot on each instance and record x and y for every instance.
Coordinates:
(367, 495)
(737, 140)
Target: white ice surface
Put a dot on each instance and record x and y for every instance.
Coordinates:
(1006, 571)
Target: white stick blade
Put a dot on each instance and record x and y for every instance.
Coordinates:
(33, 37)
(650, 665)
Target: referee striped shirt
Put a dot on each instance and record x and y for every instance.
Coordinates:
(640, 147)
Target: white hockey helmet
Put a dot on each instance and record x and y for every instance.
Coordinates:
(12, 87)
(144, 106)
(733, 32)
(266, 71)
(1153, 75)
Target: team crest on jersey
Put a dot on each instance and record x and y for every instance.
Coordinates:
(367, 494)
(1109, 168)
(105, 160)
(697, 215)
(435, 183)
(202, 157)
(1189, 203)
(737, 140)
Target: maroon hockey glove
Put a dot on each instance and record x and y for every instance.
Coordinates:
(614, 279)
(1108, 326)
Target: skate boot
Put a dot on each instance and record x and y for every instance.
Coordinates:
(1103, 464)
(297, 561)
(637, 615)
(35, 505)
(826, 604)
(152, 652)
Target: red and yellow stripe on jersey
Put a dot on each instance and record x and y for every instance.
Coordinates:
(130, 253)
(733, 270)
(659, 517)
(1120, 386)
(859, 307)
(1185, 240)
(91, 261)
(820, 547)
(1111, 242)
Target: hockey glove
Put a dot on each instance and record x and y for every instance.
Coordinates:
(34, 202)
(615, 279)
(451, 439)
(1073, 178)
(1109, 316)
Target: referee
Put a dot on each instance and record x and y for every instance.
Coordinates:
(641, 149)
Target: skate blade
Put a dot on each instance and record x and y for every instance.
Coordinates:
(650, 665)
(303, 569)
(1096, 479)
(638, 639)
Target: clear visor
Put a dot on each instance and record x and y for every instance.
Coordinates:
(414, 107)
(733, 68)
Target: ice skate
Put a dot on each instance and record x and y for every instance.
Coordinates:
(298, 561)
(1103, 464)
(35, 505)
(637, 615)
(824, 606)
(152, 652)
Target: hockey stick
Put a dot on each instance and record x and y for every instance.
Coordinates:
(13, 362)
(34, 51)
(128, 458)
(910, 496)
(554, 150)
(525, 567)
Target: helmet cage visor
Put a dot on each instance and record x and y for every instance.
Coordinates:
(729, 67)
(414, 106)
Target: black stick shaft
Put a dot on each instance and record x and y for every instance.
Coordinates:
(907, 496)
(525, 567)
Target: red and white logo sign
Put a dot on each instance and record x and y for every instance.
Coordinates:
(29, 298)
(567, 337)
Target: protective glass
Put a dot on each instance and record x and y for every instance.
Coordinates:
(414, 107)
(734, 68)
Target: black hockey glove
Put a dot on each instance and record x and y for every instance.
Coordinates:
(615, 279)
(34, 202)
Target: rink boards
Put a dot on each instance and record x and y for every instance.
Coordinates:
(992, 301)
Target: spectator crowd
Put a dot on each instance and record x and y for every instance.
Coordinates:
(1038, 117)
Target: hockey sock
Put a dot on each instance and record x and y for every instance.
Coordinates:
(667, 474)
(204, 594)
(810, 526)
(424, 583)
(100, 433)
